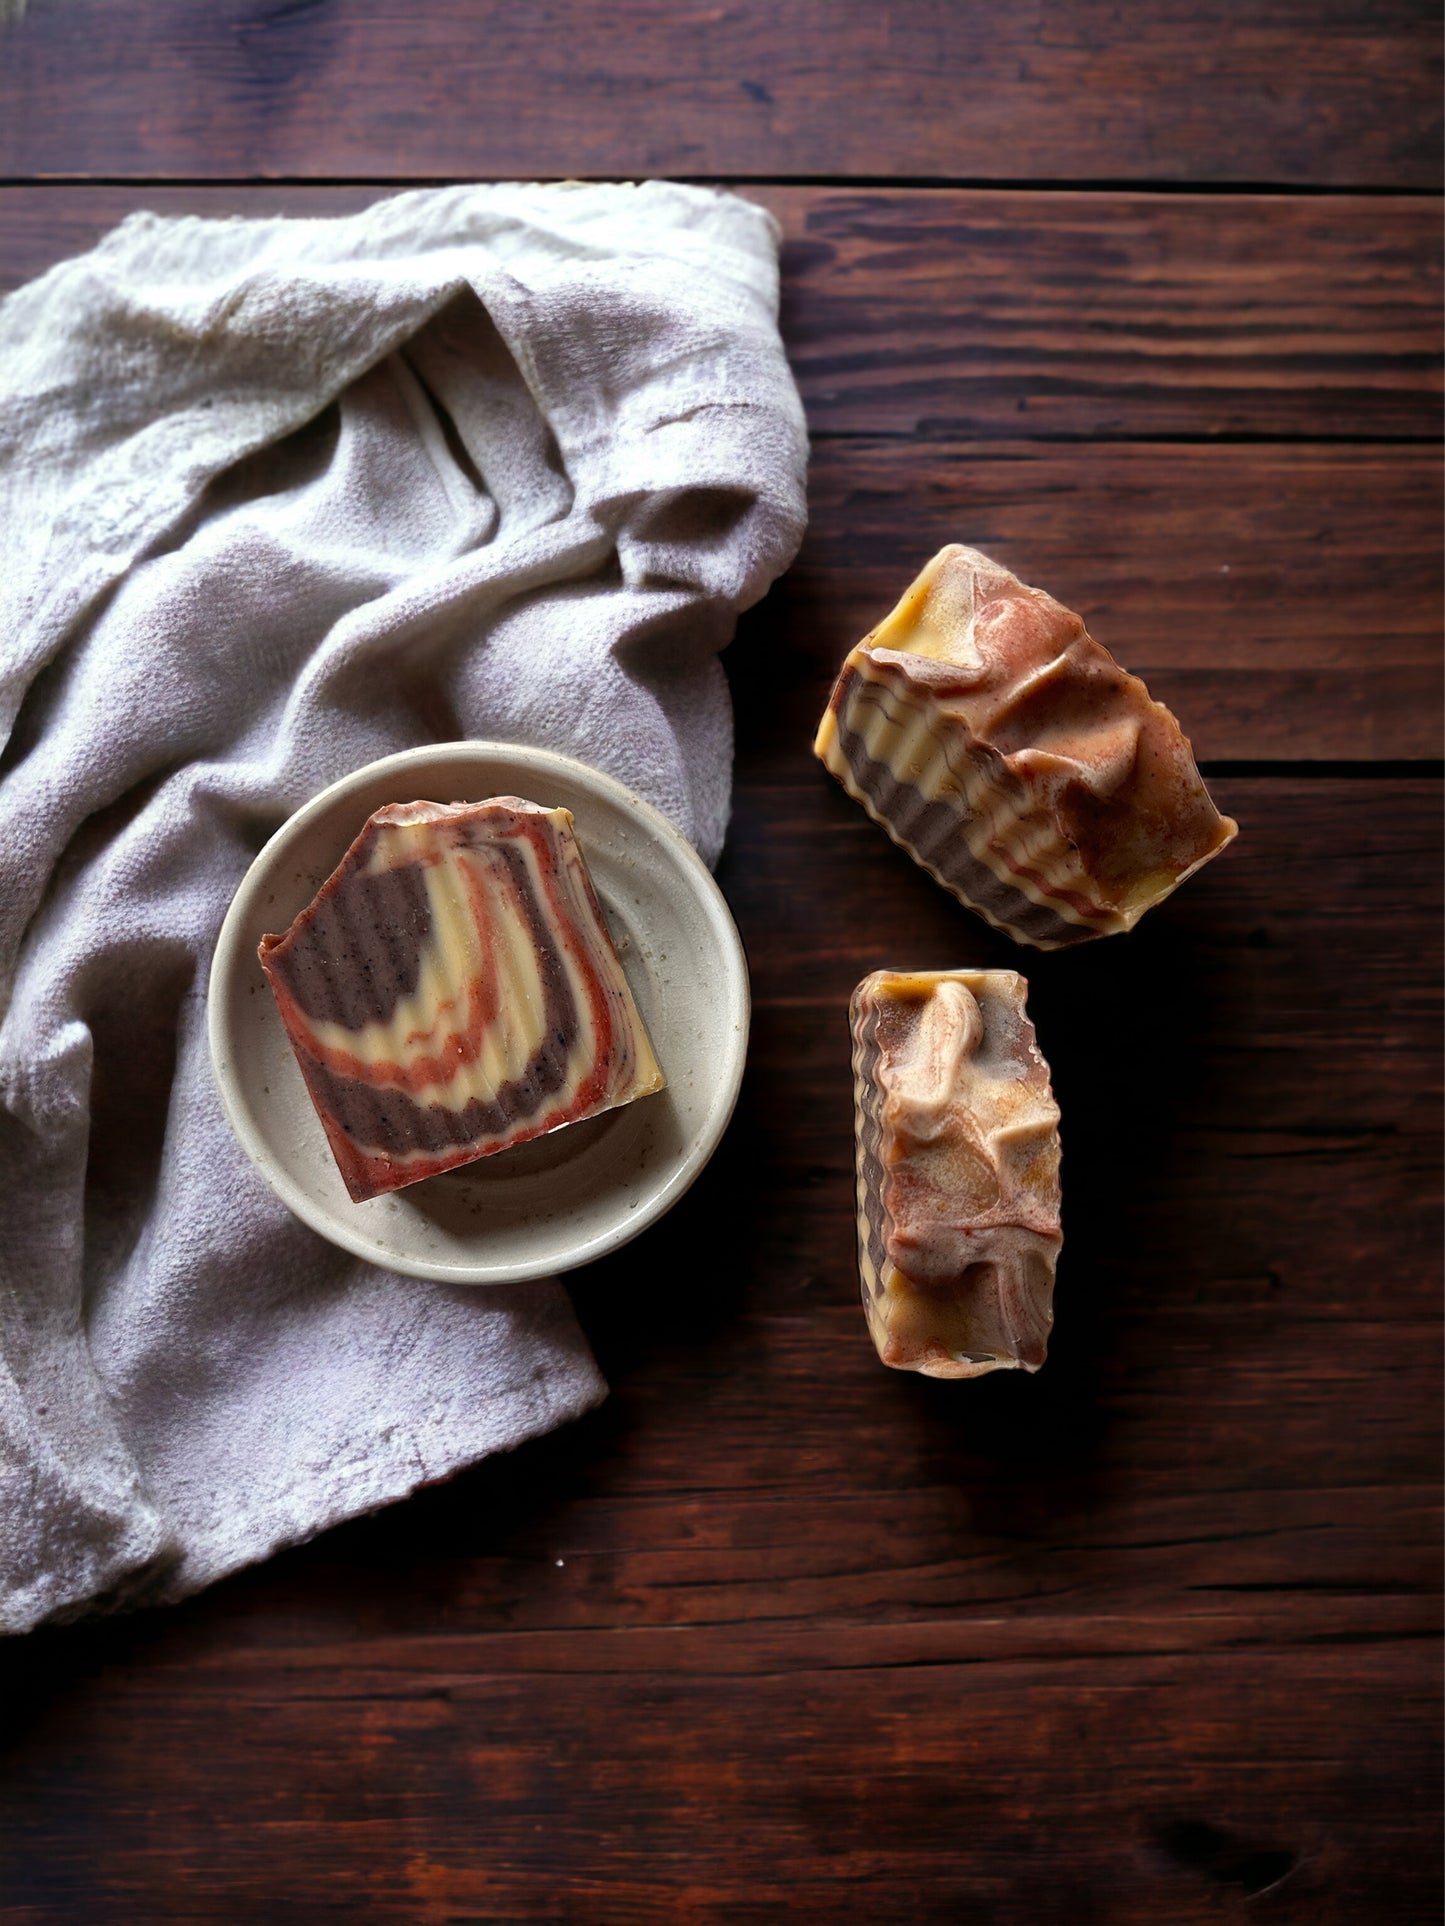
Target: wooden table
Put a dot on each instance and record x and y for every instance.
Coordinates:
(1145, 301)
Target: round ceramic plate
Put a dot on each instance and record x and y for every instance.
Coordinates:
(563, 1199)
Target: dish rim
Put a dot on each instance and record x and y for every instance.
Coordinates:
(232, 953)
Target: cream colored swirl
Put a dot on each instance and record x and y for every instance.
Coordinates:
(1076, 800)
(452, 990)
(922, 1082)
(458, 952)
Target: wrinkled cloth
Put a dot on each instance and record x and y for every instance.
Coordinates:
(279, 497)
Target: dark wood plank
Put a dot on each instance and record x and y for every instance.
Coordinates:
(1249, 1085)
(1113, 316)
(776, 1633)
(757, 1637)
(1285, 601)
(1338, 92)
(990, 314)
(1117, 1792)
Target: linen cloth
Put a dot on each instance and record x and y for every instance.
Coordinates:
(278, 497)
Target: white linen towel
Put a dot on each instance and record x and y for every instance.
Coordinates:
(278, 497)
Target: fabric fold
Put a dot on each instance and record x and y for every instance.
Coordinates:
(280, 497)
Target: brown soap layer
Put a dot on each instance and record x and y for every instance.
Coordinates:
(452, 990)
(359, 952)
(338, 948)
(957, 1162)
(1006, 751)
(873, 1219)
(929, 831)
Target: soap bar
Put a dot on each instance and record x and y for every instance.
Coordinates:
(1009, 754)
(958, 1172)
(452, 991)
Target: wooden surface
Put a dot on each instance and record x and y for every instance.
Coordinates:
(1079, 316)
(777, 1634)
(1338, 92)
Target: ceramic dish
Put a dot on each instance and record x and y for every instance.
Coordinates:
(563, 1199)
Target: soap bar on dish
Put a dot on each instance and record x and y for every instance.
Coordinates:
(958, 1172)
(452, 991)
(1009, 754)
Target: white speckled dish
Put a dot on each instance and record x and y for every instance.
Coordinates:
(563, 1199)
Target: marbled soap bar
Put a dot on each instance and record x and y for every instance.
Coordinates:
(958, 1172)
(452, 990)
(1009, 754)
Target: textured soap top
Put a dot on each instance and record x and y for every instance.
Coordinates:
(452, 990)
(958, 1171)
(1008, 753)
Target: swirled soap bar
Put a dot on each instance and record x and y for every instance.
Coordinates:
(958, 1172)
(1008, 753)
(452, 990)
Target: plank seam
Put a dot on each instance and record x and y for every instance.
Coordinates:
(905, 183)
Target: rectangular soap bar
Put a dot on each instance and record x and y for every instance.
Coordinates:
(999, 744)
(452, 991)
(958, 1172)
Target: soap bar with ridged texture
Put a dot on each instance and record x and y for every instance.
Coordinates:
(958, 1172)
(1008, 753)
(452, 990)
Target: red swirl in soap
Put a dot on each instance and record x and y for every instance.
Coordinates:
(452, 991)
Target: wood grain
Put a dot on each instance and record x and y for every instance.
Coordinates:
(1339, 92)
(720, 1799)
(1043, 315)
(1113, 315)
(776, 1634)
(1284, 601)
(750, 1640)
